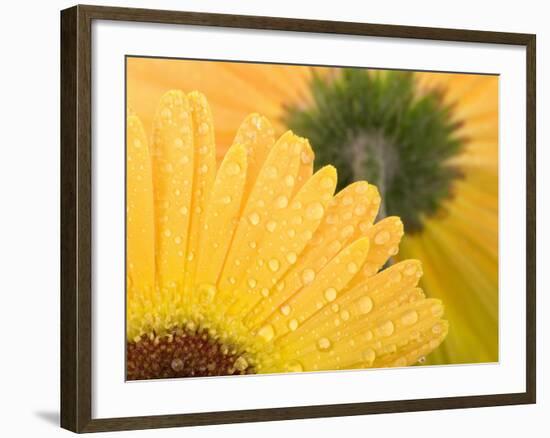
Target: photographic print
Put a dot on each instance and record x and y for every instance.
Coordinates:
(295, 218)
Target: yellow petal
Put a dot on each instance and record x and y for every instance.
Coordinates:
(319, 289)
(268, 195)
(222, 214)
(173, 159)
(203, 177)
(288, 231)
(140, 236)
(256, 135)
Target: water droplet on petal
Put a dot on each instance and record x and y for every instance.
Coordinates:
(203, 128)
(252, 283)
(291, 257)
(410, 269)
(360, 210)
(344, 314)
(294, 367)
(226, 199)
(324, 344)
(365, 305)
(274, 265)
(308, 275)
(369, 355)
(281, 201)
(352, 268)
(382, 237)
(289, 180)
(330, 294)
(254, 218)
(267, 332)
(327, 182)
(315, 211)
(437, 309)
(293, 324)
(285, 309)
(386, 328)
(270, 226)
(410, 317)
(233, 168)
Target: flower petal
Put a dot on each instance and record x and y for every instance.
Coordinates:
(140, 231)
(269, 194)
(221, 214)
(173, 164)
(203, 177)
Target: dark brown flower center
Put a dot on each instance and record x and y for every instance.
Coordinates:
(183, 353)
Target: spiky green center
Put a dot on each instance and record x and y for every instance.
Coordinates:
(376, 126)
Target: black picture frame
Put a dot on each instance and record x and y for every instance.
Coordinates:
(76, 217)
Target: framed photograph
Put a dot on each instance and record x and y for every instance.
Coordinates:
(268, 218)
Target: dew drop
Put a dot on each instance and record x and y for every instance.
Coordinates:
(137, 143)
(167, 233)
(315, 211)
(285, 309)
(369, 355)
(347, 231)
(324, 344)
(308, 275)
(267, 332)
(177, 240)
(348, 200)
(203, 128)
(382, 237)
(327, 182)
(252, 283)
(226, 199)
(410, 269)
(365, 305)
(254, 218)
(410, 317)
(437, 329)
(360, 210)
(190, 256)
(293, 324)
(274, 265)
(386, 328)
(330, 294)
(344, 314)
(233, 168)
(294, 367)
(352, 268)
(393, 250)
(265, 292)
(178, 143)
(270, 226)
(291, 257)
(396, 277)
(184, 211)
(437, 309)
(281, 201)
(289, 180)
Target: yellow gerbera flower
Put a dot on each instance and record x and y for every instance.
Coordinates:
(458, 245)
(254, 265)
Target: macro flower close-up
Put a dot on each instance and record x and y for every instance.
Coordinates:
(252, 259)
(426, 142)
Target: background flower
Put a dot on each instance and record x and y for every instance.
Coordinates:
(457, 242)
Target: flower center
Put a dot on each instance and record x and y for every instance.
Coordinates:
(383, 128)
(183, 353)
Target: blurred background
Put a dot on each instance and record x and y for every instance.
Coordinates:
(429, 141)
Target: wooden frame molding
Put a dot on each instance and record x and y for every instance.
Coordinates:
(76, 214)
